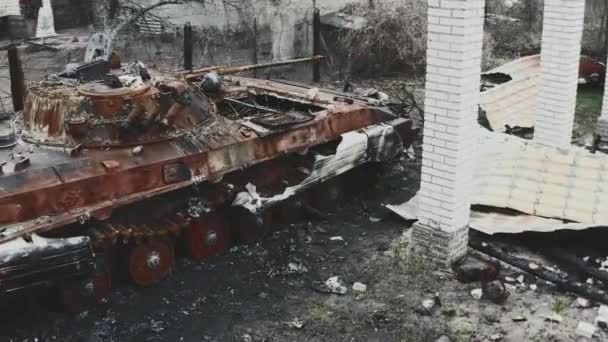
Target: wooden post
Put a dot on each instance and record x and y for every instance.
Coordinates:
(188, 44)
(17, 78)
(316, 44)
(255, 45)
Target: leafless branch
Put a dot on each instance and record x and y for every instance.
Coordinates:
(141, 12)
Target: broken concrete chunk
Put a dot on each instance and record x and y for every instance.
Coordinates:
(296, 268)
(585, 329)
(476, 293)
(582, 302)
(601, 322)
(497, 337)
(427, 306)
(554, 318)
(602, 317)
(336, 285)
(296, 323)
(359, 287)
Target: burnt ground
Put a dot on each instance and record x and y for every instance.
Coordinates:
(251, 293)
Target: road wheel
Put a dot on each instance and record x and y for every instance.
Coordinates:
(207, 236)
(150, 262)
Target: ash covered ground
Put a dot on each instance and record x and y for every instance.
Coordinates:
(269, 291)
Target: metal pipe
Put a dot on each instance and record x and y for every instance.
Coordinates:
(316, 44)
(17, 78)
(233, 70)
(188, 46)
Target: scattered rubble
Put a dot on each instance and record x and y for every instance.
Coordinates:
(583, 303)
(554, 318)
(602, 317)
(297, 323)
(495, 291)
(473, 269)
(359, 287)
(332, 285)
(585, 329)
(496, 337)
(477, 293)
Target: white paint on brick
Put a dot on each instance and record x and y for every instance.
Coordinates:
(451, 102)
(9, 7)
(561, 45)
(603, 120)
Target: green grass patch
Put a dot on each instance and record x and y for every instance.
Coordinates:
(588, 108)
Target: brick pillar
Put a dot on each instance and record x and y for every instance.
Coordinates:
(602, 122)
(455, 37)
(561, 50)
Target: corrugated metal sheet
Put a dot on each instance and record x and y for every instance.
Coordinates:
(9, 7)
(513, 103)
(565, 184)
(495, 223)
(568, 183)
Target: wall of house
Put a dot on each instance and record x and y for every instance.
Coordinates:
(287, 22)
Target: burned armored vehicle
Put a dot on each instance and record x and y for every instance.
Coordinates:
(110, 168)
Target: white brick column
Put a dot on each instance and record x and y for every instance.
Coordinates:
(602, 122)
(560, 56)
(455, 37)
(10, 7)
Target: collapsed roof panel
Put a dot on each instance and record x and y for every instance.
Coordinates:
(512, 103)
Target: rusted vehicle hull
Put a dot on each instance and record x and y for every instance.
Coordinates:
(138, 171)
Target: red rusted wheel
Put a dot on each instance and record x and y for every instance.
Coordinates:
(250, 228)
(150, 262)
(207, 236)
